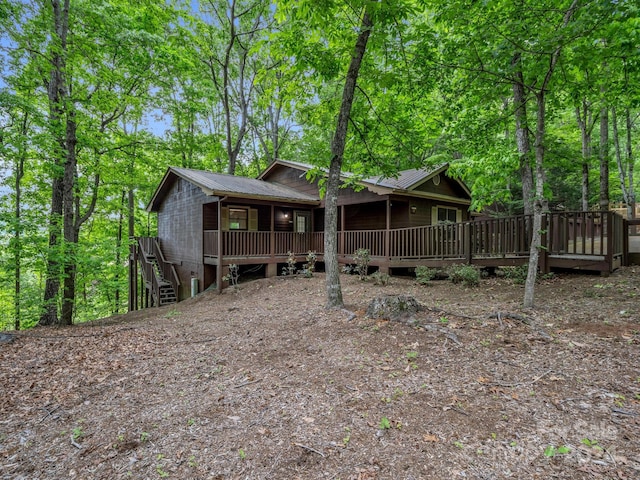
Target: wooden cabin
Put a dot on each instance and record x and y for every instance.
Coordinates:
(207, 221)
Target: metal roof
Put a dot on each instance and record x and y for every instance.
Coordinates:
(406, 179)
(221, 184)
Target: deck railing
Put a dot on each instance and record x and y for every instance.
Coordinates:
(351, 240)
(563, 234)
(509, 236)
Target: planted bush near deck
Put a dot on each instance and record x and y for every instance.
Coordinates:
(424, 275)
(468, 275)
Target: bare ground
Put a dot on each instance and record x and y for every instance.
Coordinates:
(263, 382)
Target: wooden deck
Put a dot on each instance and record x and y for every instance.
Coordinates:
(580, 240)
(595, 241)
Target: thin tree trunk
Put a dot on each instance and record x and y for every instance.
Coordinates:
(334, 289)
(17, 250)
(604, 158)
(585, 123)
(123, 200)
(631, 201)
(538, 204)
(522, 135)
(622, 173)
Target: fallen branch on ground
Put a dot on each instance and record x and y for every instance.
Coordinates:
(444, 331)
(309, 449)
(527, 321)
(518, 384)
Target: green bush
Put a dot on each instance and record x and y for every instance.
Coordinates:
(425, 274)
(361, 258)
(380, 278)
(516, 274)
(468, 275)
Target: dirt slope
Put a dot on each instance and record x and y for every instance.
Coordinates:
(265, 383)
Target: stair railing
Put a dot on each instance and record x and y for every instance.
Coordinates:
(155, 273)
(167, 269)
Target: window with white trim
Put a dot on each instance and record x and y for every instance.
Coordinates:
(443, 214)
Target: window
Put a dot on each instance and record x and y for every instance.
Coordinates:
(302, 221)
(447, 215)
(238, 218)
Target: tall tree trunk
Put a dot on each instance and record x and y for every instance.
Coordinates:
(57, 94)
(622, 171)
(585, 123)
(334, 289)
(604, 158)
(71, 233)
(120, 230)
(538, 204)
(522, 135)
(631, 193)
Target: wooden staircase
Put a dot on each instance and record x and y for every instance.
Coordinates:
(165, 294)
(159, 276)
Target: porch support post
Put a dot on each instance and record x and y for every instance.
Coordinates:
(625, 242)
(384, 267)
(219, 266)
(468, 244)
(133, 275)
(272, 266)
(341, 233)
(543, 261)
(609, 234)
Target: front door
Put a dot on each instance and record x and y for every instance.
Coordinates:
(301, 221)
(302, 228)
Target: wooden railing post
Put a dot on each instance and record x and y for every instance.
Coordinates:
(543, 261)
(610, 237)
(468, 243)
(133, 274)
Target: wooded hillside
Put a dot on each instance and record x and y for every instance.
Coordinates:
(534, 105)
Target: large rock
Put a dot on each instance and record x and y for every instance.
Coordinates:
(393, 307)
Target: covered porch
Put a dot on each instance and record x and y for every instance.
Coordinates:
(597, 241)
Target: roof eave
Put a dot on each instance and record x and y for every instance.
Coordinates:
(151, 206)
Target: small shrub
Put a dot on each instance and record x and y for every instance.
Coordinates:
(468, 275)
(517, 275)
(290, 268)
(380, 278)
(348, 269)
(310, 266)
(425, 274)
(233, 275)
(362, 258)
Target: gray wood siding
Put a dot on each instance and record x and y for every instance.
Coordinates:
(447, 187)
(366, 216)
(348, 196)
(423, 211)
(180, 231)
